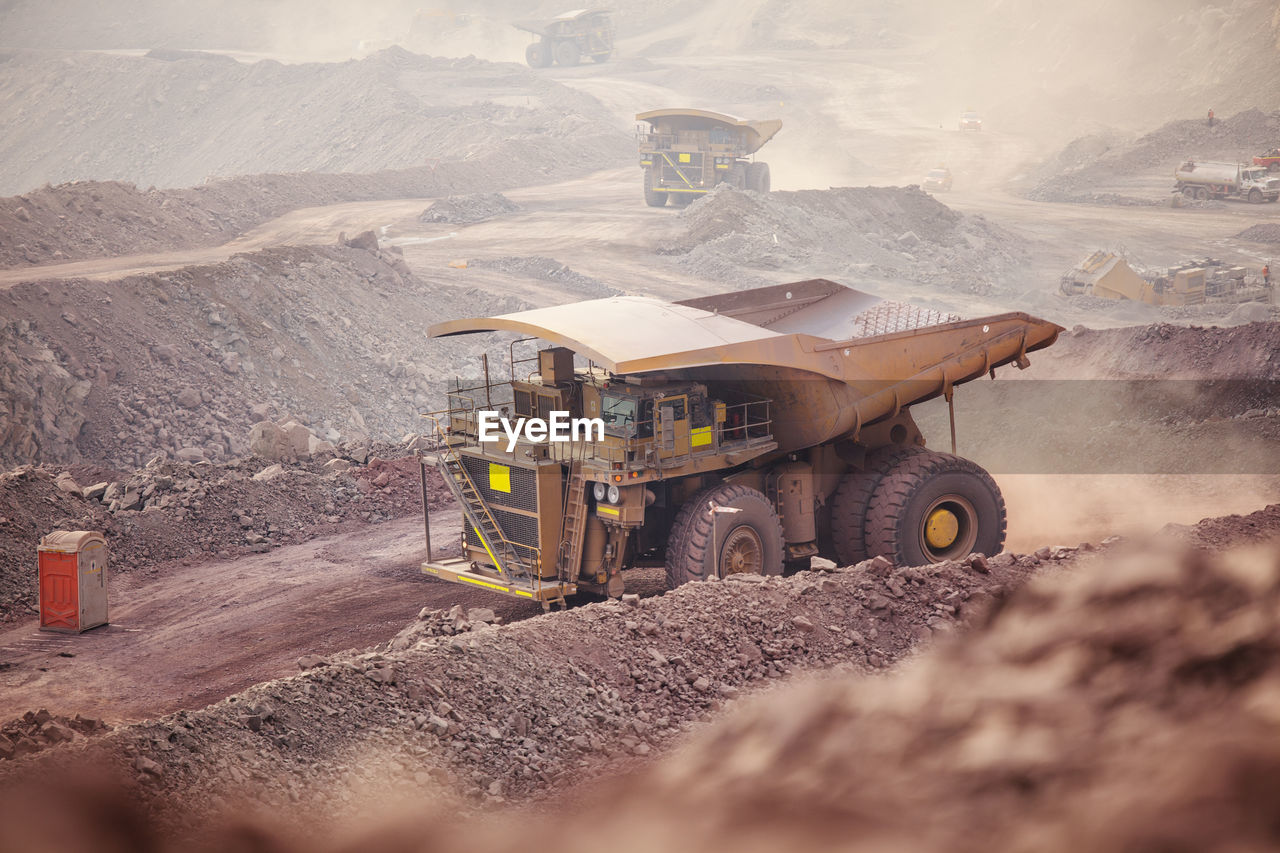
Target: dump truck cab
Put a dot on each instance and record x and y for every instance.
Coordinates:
(732, 433)
(686, 153)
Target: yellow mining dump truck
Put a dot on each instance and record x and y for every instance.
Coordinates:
(570, 38)
(685, 153)
(736, 433)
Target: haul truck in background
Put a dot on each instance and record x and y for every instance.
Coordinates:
(742, 432)
(570, 38)
(685, 153)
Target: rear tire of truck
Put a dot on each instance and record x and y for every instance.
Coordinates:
(602, 57)
(567, 53)
(932, 507)
(682, 199)
(748, 542)
(652, 196)
(851, 503)
(538, 54)
(758, 177)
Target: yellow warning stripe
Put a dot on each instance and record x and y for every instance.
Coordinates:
(609, 510)
(485, 543)
(498, 587)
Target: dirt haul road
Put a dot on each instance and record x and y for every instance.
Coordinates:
(186, 636)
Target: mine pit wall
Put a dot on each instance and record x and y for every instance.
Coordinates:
(186, 362)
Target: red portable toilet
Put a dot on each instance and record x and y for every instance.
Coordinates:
(72, 567)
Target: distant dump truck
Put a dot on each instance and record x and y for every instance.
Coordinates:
(1205, 179)
(686, 153)
(1270, 160)
(728, 434)
(570, 38)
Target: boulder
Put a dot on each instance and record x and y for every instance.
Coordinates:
(268, 441)
(269, 473)
(189, 398)
(190, 455)
(66, 483)
(298, 438)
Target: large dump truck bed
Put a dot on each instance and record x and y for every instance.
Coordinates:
(842, 357)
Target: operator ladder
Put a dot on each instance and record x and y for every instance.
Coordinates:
(569, 556)
(507, 560)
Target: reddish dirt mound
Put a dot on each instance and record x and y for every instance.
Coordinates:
(1127, 704)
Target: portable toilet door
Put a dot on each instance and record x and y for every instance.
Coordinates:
(72, 568)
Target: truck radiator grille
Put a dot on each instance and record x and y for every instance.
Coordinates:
(692, 169)
(518, 528)
(524, 486)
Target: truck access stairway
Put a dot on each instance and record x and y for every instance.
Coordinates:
(516, 567)
(506, 556)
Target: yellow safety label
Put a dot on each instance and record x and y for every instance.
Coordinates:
(499, 477)
(700, 436)
(685, 158)
(609, 510)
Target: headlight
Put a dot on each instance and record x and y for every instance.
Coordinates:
(600, 491)
(614, 494)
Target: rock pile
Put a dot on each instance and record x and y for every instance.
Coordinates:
(1267, 232)
(36, 730)
(174, 510)
(851, 233)
(185, 362)
(1091, 169)
(509, 712)
(468, 209)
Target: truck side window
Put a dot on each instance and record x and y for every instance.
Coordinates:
(644, 428)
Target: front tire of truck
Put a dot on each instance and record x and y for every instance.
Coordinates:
(746, 542)
(653, 196)
(1255, 196)
(852, 501)
(538, 54)
(758, 177)
(932, 507)
(567, 54)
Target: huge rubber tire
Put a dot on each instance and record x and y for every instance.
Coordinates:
(933, 507)
(567, 53)
(758, 177)
(1255, 196)
(682, 199)
(652, 196)
(603, 57)
(737, 177)
(851, 503)
(538, 54)
(748, 541)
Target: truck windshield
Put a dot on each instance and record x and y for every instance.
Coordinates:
(617, 411)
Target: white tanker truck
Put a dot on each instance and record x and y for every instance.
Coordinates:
(1202, 179)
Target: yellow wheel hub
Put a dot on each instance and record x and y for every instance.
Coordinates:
(941, 528)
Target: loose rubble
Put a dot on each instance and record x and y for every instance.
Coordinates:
(37, 730)
(174, 510)
(849, 233)
(468, 209)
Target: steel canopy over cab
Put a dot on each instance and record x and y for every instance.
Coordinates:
(781, 408)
